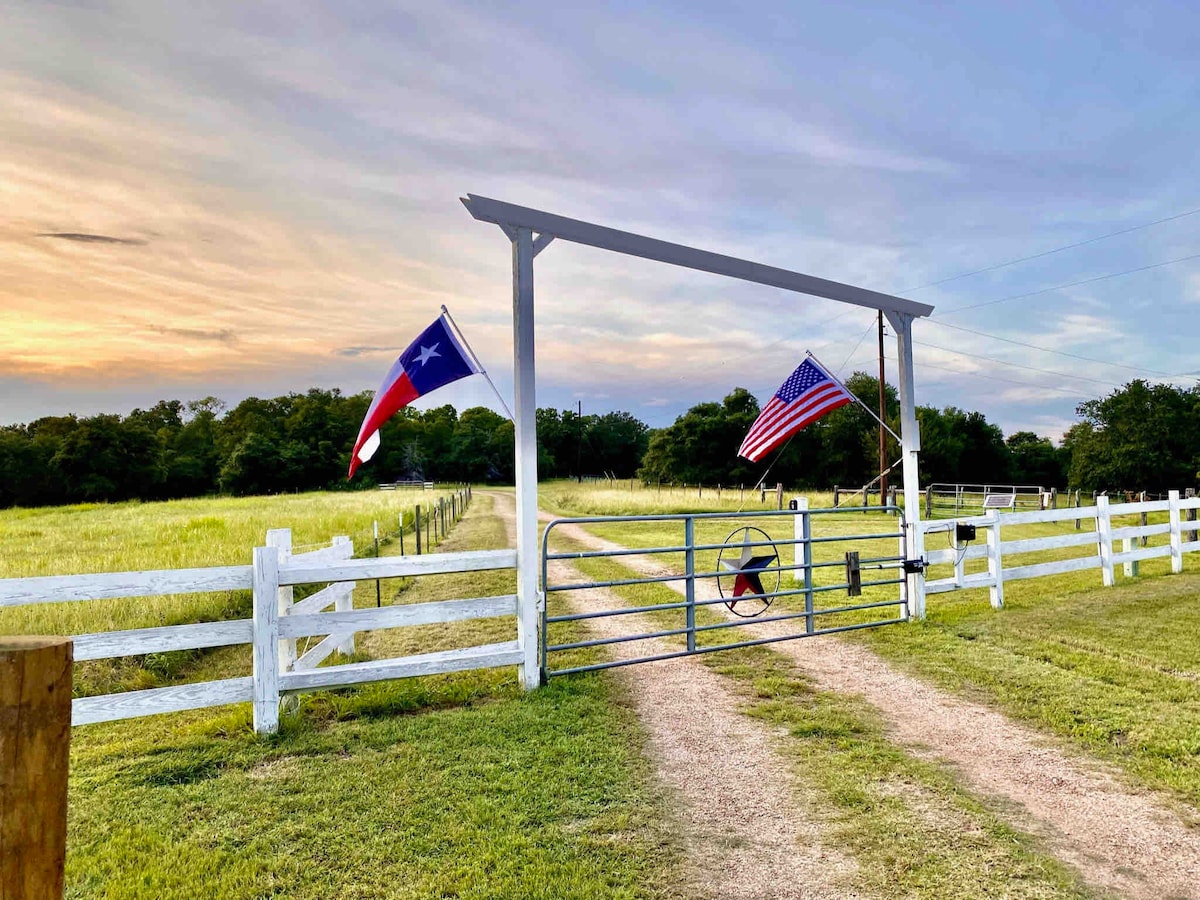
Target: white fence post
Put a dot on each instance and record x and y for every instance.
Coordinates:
(1130, 566)
(281, 539)
(345, 602)
(800, 532)
(1176, 532)
(266, 639)
(1104, 537)
(995, 561)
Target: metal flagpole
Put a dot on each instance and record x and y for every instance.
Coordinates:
(853, 396)
(475, 359)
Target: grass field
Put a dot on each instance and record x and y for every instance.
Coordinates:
(180, 533)
(118, 537)
(464, 786)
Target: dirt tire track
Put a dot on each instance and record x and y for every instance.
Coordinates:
(747, 830)
(1119, 838)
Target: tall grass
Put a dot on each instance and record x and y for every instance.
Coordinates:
(119, 537)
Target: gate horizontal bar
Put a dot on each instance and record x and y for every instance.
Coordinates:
(747, 514)
(856, 537)
(732, 623)
(613, 664)
(683, 548)
(716, 601)
(716, 626)
(659, 579)
(621, 639)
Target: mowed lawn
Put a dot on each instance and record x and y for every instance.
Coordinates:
(452, 786)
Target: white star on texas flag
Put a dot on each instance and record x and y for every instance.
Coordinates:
(427, 353)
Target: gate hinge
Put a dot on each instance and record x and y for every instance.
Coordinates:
(914, 566)
(541, 601)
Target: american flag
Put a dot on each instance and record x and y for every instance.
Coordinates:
(808, 394)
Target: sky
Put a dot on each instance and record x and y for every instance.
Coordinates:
(239, 199)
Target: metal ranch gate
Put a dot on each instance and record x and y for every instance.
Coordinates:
(823, 575)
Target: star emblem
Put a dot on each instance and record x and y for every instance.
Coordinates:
(428, 353)
(748, 567)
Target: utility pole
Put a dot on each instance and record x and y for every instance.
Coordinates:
(579, 443)
(883, 481)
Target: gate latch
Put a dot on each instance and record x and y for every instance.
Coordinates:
(853, 574)
(914, 566)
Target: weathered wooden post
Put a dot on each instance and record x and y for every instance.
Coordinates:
(929, 502)
(281, 540)
(265, 665)
(35, 735)
(417, 527)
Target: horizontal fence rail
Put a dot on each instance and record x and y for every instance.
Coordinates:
(1111, 543)
(278, 621)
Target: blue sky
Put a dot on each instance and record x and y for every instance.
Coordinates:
(283, 182)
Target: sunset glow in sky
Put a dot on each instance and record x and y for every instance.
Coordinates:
(238, 198)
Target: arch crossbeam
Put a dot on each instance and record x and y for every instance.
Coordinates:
(548, 226)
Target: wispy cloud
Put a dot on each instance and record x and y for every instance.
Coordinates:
(84, 238)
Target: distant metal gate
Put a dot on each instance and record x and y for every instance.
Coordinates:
(728, 569)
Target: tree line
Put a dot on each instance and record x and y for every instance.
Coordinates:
(1140, 437)
(843, 447)
(294, 442)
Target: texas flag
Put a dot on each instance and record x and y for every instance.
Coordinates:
(432, 360)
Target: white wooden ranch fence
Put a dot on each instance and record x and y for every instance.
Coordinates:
(1181, 532)
(276, 624)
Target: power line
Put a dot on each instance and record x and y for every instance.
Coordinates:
(1092, 359)
(1013, 262)
(1004, 362)
(1058, 287)
(990, 377)
(856, 346)
(810, 329)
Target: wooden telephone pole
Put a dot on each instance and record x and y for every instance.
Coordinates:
(579, 444)
(883, 481)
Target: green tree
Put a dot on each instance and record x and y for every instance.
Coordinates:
(1035, 460)
(1140, 437)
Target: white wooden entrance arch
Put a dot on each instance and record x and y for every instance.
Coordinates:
(521, 224)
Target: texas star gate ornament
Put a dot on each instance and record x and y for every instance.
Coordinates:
(748, 557)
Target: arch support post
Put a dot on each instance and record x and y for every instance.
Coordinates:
(910, 440)
(525, 428)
